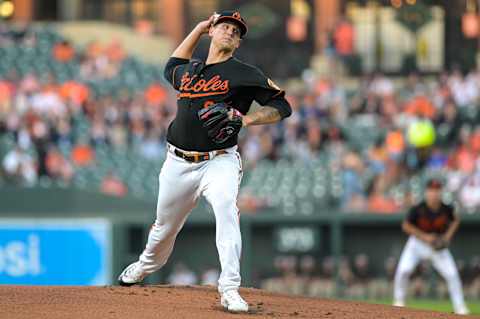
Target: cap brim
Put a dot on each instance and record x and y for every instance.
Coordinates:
(435, 185)
(240, 23)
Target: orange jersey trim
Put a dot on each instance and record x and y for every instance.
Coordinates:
(201, 94)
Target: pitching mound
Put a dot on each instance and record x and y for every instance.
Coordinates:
(21, 302)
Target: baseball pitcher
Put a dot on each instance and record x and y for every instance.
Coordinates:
(214, 97)
(431, 226)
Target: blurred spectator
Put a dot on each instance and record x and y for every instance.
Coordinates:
(344, 36)
(306, 273)
(420, 106)
(469, 193)
(381, 286)
(155, 94)
(414, 86)
(381, 86)
(362, 277)
(82, 154)
(182, 275)
(448, 124)
(437, 161)
(463, 159)
(473, 291)
(19, 167)
(378, 200)
(151, 146)
(314, 139)
(210, 277)
(346, 276)
(112, 185)
(257, 146)
(48, 102)
(6, 94)
(118, 135)
(359, 280)
(376, 157)
(324, 285)
(98, 132)
(19, 33)
(249, 203)
(353, 194)
(465, 90)
(75, 93)
(61, 133)
(395, 144)
(63, 51)
(287, 282)
(101, 63)
(57, 166)
(115, 51)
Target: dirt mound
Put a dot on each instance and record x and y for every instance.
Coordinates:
(180, 302)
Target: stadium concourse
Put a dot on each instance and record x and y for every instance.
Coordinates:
(96, 118)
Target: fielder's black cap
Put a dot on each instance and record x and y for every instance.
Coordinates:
(435, 183)
(233, 16)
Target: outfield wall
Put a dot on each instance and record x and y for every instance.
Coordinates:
(109, 233)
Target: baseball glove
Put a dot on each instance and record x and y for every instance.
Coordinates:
(439, 243)
(218, 122)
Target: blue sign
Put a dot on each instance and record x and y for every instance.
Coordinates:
(55, 251)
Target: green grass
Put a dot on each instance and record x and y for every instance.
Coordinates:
(435, 305)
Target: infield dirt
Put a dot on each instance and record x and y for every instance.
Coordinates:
(165, 302)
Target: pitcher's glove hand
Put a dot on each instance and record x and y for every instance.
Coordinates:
(221, 121)
(439, 243)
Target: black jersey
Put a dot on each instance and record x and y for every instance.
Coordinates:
(199, 85)
(429, 221)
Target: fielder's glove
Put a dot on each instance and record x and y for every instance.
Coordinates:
(218, 122)
(439, 243)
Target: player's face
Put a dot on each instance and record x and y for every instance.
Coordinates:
(226, 36)
(433, 195)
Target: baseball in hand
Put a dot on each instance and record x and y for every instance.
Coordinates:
(215, 17)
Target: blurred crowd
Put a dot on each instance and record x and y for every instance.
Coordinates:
(181, 274)
(327, 118)
(357, 279)
(47, 116)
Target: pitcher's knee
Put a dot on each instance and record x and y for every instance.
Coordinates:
(225, 201)
(226, 212)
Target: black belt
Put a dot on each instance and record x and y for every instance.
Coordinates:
(197, 157)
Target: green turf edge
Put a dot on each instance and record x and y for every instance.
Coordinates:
(432, 304)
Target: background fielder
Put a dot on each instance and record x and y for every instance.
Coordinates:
(202, 154)
(431, 226)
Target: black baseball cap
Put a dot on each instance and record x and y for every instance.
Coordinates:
(233, 16)
(435, 183)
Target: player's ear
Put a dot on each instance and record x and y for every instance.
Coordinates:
(210, 31)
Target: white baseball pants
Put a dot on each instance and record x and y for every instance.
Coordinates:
(416, 250)
(180, 185)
